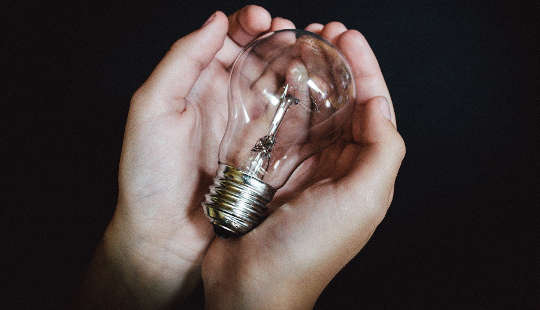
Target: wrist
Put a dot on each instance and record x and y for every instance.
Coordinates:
(128, 272)
(292, 298)
(245, 289)
(138, 252)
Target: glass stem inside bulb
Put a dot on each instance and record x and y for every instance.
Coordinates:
(260, 153)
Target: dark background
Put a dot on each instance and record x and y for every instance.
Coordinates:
(462, 75)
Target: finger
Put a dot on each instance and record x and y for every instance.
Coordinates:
(265, 51)
(259, 53)
(174, 76)
(368, 169)
(279, 23)
(265, 69)
(367, 73)
(273, 45)
(332, 31)
(382, 148)
(247, 23)
(315, 28)
(244, 26)
(260, 69)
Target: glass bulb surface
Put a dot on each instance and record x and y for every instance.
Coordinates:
(290, 96)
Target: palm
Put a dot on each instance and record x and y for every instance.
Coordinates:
(176, 157)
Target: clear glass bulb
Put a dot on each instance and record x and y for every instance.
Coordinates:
(290, 96)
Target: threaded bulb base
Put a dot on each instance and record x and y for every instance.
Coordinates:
(236, 202)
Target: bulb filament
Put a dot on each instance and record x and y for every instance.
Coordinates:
(260, 153)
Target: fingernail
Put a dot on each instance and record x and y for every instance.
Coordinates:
(209, 20)
(384, 105)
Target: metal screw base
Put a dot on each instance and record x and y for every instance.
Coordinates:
(236, 202)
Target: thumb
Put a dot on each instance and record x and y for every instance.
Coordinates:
(381, 147)
(177, 72)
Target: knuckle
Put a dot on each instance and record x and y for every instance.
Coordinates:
(381, 209)
(378, 214)
(356, 35)
(176, 45)
(401, 147)
(336, 24)
(140, 99)
(249, 11)
(182, 48)
(376, 209)
(398, 146)
(252, 7)
(138, 96)
(283, 20)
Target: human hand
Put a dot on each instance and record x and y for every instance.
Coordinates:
(154, 245)
(286, 262)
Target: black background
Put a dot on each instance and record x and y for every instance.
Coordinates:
(462, 75)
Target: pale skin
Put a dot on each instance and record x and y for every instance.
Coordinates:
(159, 244)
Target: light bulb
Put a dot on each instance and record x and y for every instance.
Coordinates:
(290, 96)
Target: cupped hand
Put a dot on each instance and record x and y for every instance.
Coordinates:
(159, 235)
(286, 262)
